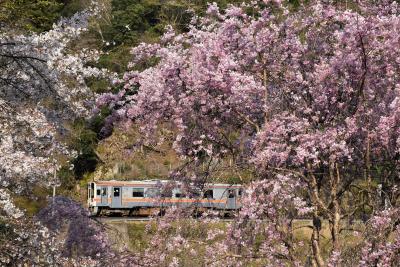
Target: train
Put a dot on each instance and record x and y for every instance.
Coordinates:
(145, 197)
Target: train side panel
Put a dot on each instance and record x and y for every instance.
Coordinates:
(117, 195)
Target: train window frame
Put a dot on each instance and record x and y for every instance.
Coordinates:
(117, 190)
(98, 191)
(231, 193)
(209, 194)
(138, 191)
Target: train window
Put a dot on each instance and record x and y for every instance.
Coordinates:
(152, 192)
(180, 195)
(195, 194)
(104, 192)
(138, 192)
(166, 193)
(240, 192)
(231, 193)
(98, 192)
(208, 194)
(116, 192)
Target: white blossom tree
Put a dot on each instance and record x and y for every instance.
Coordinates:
(42, 87)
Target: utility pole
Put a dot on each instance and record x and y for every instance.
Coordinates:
(54, 182)
(54, 190)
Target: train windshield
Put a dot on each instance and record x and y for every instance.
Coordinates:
(91, 190)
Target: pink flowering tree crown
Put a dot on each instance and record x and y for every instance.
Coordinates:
(307, 97)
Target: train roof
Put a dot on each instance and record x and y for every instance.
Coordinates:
(151, 182)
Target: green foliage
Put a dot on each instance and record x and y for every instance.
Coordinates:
(137, 236)
(86, 179)
(73, 6)
(97, 122)
(66, 176)
(33, 15)
(83, 140)
(135, 21)
(98, 85)
(116, 59)
(36, 15)
(31, 207)
(5, 229)
(34, 203)
(130, 20)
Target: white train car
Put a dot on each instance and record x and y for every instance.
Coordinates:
(135, 196)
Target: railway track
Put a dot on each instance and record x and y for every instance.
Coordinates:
(122, 219)
(111, 219)
(134, 219)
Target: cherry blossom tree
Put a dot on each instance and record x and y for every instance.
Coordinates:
(42, 83)
(24, 241)
(308, 98)
(42, 87)
(376, 250)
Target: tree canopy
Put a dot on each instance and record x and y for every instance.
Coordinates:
(308, 99)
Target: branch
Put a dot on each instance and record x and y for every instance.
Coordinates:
(255, 125)
(23, 57)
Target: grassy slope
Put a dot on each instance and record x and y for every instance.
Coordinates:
(135, 237)
(122, 160)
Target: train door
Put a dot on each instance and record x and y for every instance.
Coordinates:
(231, 203)
(104, 196)
(239, 198)
(116, 200)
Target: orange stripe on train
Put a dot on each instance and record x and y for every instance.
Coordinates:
(169, 200)
(172, 200)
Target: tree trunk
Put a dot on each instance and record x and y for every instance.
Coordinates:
(316, 250)
(335, 217)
